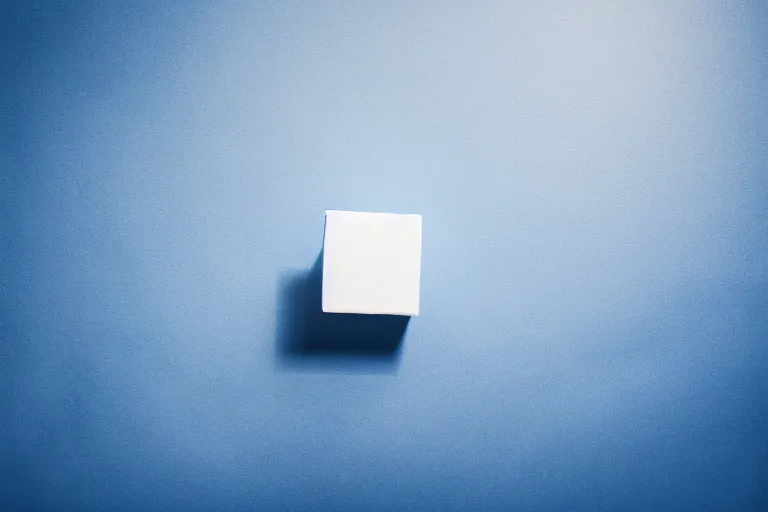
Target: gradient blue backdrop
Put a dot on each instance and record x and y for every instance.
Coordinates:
(592, 177)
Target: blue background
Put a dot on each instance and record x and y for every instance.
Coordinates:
(592, 177)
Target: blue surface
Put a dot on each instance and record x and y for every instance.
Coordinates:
(592, 178)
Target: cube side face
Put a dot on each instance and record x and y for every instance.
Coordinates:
(372, 263)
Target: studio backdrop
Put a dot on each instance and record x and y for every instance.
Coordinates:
(593, 320)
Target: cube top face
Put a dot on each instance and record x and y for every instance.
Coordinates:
(371, 263)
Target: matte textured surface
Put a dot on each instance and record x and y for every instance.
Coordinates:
(371, 263)
(592, 176)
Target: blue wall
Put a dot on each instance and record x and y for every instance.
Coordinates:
(592, 178)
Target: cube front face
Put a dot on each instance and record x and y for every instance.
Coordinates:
(371, 263)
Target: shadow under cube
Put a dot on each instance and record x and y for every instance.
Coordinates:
(307, 335)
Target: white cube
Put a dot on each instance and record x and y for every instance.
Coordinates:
(371, 263)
